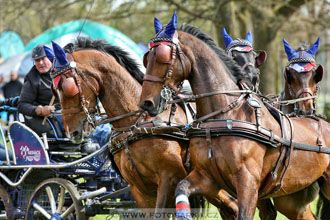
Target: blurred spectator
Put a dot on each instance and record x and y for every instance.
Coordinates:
(13, 87)
(10, 90)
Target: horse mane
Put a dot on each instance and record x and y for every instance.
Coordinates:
(121, 56)
(236, 71)
(302, 47)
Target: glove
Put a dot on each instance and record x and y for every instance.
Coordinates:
(14, 101)
(44, 110)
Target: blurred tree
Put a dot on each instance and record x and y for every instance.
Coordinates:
(269, 20)
(265, 18)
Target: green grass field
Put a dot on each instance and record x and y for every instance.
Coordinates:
(211, 214)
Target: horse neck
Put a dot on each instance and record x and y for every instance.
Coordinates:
(119, 94)
(209, 74)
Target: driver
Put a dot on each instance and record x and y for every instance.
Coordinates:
(36, 94)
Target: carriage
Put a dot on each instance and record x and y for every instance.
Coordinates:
(153, 181)
(52, 178)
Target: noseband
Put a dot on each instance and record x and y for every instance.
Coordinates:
(84, 103)
(301, 92)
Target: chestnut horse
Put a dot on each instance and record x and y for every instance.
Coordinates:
(153, 165)
(229, 161)
(302, 76)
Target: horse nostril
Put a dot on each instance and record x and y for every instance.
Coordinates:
(147, 105)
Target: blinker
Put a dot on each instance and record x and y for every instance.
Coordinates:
(145, 59)
(163, 53)
(69, 87)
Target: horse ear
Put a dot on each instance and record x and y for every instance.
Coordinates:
(226, 37)
(315, 47)
(49, 53)
(172, 25)
(61, 60)
(249, 37)
(319, 73)
(158, 25)
(289, 51)
(261, 58)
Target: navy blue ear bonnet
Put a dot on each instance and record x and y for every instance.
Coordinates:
(301, 60)
(168, 30)
(241, 45)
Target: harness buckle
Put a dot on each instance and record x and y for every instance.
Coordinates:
(229, 124)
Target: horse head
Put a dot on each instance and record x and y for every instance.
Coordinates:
(164, 75)
(243, 53)
(76, 94)
(302, 75)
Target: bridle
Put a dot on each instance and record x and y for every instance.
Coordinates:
(300, 92)
(84, 102)
(176, 52)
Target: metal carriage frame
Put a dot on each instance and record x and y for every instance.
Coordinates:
(37, 183)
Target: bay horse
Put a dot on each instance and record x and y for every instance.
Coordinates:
(241, 50)
(231, 161)
(302, 76)
(153, 165)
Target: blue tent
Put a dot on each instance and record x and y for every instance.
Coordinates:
(67, 32)
(10, 44)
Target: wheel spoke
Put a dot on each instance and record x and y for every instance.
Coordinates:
(61, 200)
(41, 210)
(51, 199)
(68, 211)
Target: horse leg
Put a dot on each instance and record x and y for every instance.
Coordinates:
(226, 204)
(247, 193)
(195, 183)
(145, 202)
(267, 210)
(324, 199)
(228, 207)
(297, 205)
(165, 192)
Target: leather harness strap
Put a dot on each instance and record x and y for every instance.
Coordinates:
(151, 78)
(223, 110)
(304, 90)
(214, 167)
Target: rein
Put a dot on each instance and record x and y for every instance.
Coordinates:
(192, 98)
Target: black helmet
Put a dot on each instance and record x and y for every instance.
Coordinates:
(38, 52)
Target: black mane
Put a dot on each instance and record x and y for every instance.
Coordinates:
(120, 55)
(236, 71)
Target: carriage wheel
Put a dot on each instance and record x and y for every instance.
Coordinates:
(6, 205)
(55, 199)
